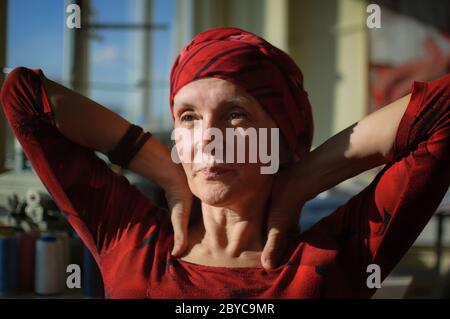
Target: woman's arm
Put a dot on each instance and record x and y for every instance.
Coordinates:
(92, 125)
(410, 135)
(58, 129)
(98, 203)
(362, 146)
(379, 224)
(101, 131)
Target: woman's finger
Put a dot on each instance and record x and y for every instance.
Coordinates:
(180, 211)
(270, 254)
(180, 233)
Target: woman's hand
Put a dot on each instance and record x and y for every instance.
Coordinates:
(287, 202)
(155, 163)
(179, 198)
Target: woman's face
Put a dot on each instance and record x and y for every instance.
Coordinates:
(216, 103)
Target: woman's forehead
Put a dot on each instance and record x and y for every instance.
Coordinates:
(212, 90)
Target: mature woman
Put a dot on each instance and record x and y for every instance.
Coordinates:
(230, 78)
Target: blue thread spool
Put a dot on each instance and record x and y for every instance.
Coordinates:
(9, 264)
(26, 242)
(49, 270)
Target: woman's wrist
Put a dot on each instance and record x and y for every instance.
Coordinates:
(153, 161)
(358, 148)
(330, 164)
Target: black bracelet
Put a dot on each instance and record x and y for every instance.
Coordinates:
(135, 149)
(118, 155)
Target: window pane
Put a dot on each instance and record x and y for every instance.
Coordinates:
(162, 59)
(107, 11)
(34, 40)
(119, 63)
(115, 57)
(37, 27)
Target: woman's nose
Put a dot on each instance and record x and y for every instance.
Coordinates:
(211, 132)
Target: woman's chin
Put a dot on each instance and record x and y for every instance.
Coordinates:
(214, 196)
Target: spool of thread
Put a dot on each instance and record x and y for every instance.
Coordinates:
(49, 270)
(26, 242)
(64, 240)
(92, 279)
(9, 264)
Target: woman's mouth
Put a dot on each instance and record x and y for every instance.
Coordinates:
(213, 172)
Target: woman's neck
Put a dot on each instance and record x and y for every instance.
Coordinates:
(231, 232)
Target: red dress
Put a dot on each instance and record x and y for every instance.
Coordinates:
(131, 238)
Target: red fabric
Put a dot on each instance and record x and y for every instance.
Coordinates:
(131, 238)
(264, 71)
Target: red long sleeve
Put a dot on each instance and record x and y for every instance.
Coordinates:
(381, 223)
(102, 206)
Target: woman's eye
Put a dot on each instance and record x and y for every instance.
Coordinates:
(236, 115)
(186, 118)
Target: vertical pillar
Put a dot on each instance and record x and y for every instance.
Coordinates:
(275, 23)
(3, 28)
(351, 94)
(146, 59)
(75, 68)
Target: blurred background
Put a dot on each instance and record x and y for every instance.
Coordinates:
(121, 57)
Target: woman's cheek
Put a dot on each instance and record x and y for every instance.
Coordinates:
(185, 148)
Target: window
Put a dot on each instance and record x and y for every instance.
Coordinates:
(129, 51)
(127, 61)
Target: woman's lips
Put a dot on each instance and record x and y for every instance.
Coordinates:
(213, 172)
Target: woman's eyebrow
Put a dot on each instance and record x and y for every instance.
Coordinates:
(183, 105)
(241, 101)
(237, 99)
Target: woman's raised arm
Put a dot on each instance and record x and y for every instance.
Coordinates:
(364, 145)
(90, 124)
(410, 135)
(101, 131)
(379, 225)
(58, 130)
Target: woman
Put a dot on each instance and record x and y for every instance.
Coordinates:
(243, 244)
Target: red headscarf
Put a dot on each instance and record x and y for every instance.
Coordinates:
(264, 71)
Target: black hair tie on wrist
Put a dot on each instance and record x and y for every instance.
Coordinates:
(128, 146)
(135, 148)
